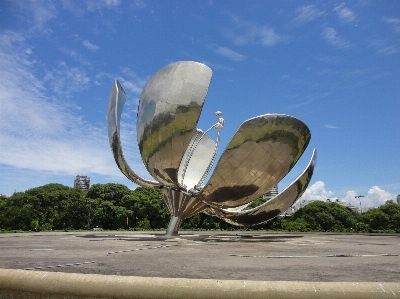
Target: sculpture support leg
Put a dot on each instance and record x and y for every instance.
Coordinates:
(181, 205)
(173, 226)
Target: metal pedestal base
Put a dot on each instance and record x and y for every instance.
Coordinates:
(173, 226)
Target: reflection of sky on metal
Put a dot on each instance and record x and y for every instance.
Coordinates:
(261, 153)
(196, 160)
(114, 110)
(169, 109)
(178, 155)
(276, 205)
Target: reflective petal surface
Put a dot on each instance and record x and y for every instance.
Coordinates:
(275, 206)
(169, 110)
(263, 150)
(181, 204)
(196, 160)
(116, 103)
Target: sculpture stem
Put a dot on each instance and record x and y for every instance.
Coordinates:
(173, 226)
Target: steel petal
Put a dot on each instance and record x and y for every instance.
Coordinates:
(275, 206)
(262, 151)
(116, 103)
(169, 109)
(196, 160)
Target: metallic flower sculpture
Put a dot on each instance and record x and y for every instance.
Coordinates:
(179, 156)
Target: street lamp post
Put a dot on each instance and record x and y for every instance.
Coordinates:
(359, 198)
(90, 206)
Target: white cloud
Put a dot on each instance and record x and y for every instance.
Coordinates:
(37, 13)
(99, 4)
(307, 13)
(246, 32)
(382, 47)
(387, 50)
(42, 133)
(73, 7)
(113, 2)
(334, 39)
(268, 37)
(131, 82)
(71, 53)
(317, 192)
(344, 14)
(65, 80)
(90, 46)
(395, 22)
(139, 4)
(375, 197)
(309, 99)
(330, 126)
(228, 53)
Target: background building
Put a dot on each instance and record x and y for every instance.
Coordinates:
(82, 182)
(398, 199)
(271, 193)
(349, 206)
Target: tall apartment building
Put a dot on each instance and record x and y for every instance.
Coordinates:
(82, 182)
(398, 199)
(271, 193)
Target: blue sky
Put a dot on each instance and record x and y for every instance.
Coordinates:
(335, 65)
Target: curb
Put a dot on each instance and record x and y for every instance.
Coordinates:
(35, 284)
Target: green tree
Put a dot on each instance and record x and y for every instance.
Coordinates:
(376, 219)
(58, 206)
(106, 206)
(383, 218)
(108, 215)
(18, 218)
(70, 212)
(17, 212)
(110, 192)
(149, 204)
(115, 206)
(327, 216)
(392, 210)
(255, 203)
(52, 206)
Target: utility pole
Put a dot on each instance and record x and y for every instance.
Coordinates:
(359, 198)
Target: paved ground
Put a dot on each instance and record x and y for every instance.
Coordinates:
(248, 256)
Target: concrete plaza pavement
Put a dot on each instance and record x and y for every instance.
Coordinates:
(259, 256)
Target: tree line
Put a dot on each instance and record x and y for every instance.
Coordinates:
(114, 206)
